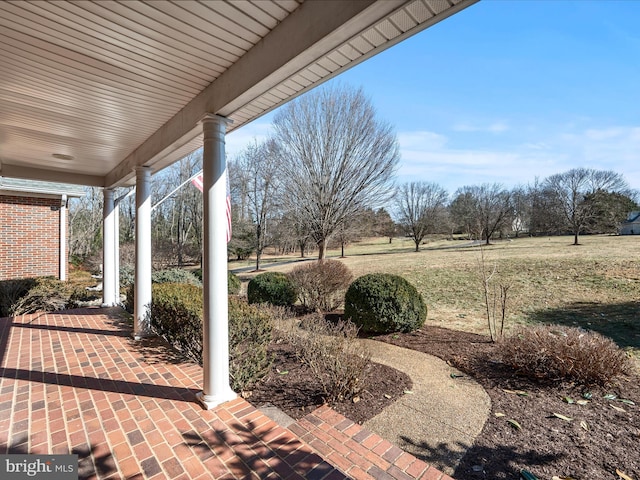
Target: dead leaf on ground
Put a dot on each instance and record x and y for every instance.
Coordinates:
(562, 417)
(520, 393)
(623, 475)
(514, 424)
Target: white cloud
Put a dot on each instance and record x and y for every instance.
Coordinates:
(453, 162)
(237, 140)
(495, 127)
(517, 157)
(421, 140)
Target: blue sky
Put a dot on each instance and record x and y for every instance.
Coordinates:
(507, 91)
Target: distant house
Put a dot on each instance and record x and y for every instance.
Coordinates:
(631, 226)
(34, 228)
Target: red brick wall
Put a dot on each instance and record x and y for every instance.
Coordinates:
(29, 237)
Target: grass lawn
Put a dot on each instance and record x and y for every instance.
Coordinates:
(595, 285)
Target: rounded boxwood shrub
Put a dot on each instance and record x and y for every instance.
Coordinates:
(272, 287)
(384, 303)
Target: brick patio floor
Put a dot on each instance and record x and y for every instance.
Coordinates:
(76, 382)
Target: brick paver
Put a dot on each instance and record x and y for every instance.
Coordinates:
(76, 382)
(369, 456)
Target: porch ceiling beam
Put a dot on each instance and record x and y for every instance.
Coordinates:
(16, 171)
(314, 29)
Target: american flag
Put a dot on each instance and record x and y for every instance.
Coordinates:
(197, 182)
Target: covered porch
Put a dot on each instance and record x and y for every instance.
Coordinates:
(77, 382)
(106, 94)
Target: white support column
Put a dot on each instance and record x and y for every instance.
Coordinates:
(63, 238)
(108, 265)
(215, 340)
(116, 253)
(142, 288)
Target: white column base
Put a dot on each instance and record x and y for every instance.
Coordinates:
(210, 402)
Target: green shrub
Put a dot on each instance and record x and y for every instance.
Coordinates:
(127, 275)
(233, 282)
(129, 298)
(11, 291)
(172, 275)
(563, 353)
(272, 287)
(176, 315)
(250, 333)
(47, 294)
(175, 275)
(384, 303)
(321, 285)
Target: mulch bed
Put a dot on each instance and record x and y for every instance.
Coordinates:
(297, 393)
(548, 446)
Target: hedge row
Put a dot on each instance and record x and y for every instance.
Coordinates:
(176, 315)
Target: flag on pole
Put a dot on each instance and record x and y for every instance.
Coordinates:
(197, 182)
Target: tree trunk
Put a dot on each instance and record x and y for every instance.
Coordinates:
(390, 239)
(417, 242)
(342, 250)
(258, 249)
(575, 238)
(321, 252)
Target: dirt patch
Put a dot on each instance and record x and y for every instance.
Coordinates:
(290, 385)
(601, 436)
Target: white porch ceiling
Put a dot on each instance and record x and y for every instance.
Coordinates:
(120, 84)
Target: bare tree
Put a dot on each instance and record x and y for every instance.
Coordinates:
(462, 213)
(571, 188)
(486, 208)
(420, 206)
(85, 224)
(259, 164)
(521, 202)
(337, 158)
(295, 230)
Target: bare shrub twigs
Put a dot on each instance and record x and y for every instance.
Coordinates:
(556, 353)
(331, 350)
(495, 298)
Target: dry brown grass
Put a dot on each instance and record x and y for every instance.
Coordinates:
(595, 285)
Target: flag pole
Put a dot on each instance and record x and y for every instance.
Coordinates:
(176, 189)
